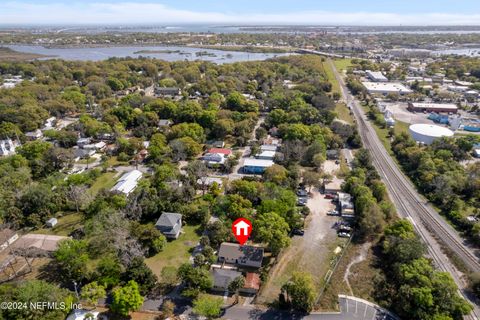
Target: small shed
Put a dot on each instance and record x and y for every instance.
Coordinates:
(51, 222)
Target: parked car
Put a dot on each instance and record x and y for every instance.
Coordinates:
(345, 228)
(330, 196)
(333, 213)
(344, 235)
(298, 232)
(302, 193)
(302, 202)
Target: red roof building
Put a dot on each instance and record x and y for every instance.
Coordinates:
(252, 282)
(226, 152)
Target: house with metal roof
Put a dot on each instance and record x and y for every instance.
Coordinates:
(266, 155)
(256, 166)
(128, 182)
(169, 224)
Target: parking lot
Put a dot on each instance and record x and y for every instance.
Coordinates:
(352, 308)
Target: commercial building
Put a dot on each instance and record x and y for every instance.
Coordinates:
(427, 133)
(385, 88)
(432, 107)
(256, 166)
(376, 76)
(128, 182)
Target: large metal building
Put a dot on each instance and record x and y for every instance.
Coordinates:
(427, 133)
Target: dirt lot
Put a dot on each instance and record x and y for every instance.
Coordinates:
(308, 253)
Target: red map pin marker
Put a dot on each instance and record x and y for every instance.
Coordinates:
(241, 230)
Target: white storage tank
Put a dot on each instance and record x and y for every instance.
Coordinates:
(427, 133)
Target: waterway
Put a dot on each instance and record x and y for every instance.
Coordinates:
(159, 52)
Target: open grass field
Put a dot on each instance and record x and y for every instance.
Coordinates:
(175, 252)
(343, 113)
(105, 181)
(342, 64)
(331, 76)
(65, 225)
(360, 277)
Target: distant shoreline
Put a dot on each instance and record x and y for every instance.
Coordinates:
(7, 54)
(237, 48)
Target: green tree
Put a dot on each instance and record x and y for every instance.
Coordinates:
(300, 291)
(196, 279)
(92, 292)
(126, 299)
(235, 286)
(72, 256)
(168, 276)
(311, 179)
(276, 174)
(139, 272)
(109, 271)
(208, 306)
(272, 229)
(35, 291)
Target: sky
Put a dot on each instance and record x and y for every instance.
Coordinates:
(300, 12)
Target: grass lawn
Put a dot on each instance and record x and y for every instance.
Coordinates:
(343, 113)
(175, 252)
(361, 279)
(114, 162)
(105, 181)
(331, 76)
(65, 225)
(87, 161)
(342, 64)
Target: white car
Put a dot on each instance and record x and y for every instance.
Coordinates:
(344, 235)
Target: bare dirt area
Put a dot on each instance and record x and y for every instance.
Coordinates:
(308, 253)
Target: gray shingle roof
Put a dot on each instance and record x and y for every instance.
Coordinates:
(169, 223)
(242, 253)
(223, 277)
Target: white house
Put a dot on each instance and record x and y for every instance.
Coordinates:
(128, 182)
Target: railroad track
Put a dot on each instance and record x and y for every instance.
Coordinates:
(409, 205)
(404, 192)
(429, 225)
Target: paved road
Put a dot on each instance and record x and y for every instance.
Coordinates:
(351, 308)
(428, 223)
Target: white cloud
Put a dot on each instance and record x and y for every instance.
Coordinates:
(130, 12)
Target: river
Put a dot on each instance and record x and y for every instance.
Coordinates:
(159, 52)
